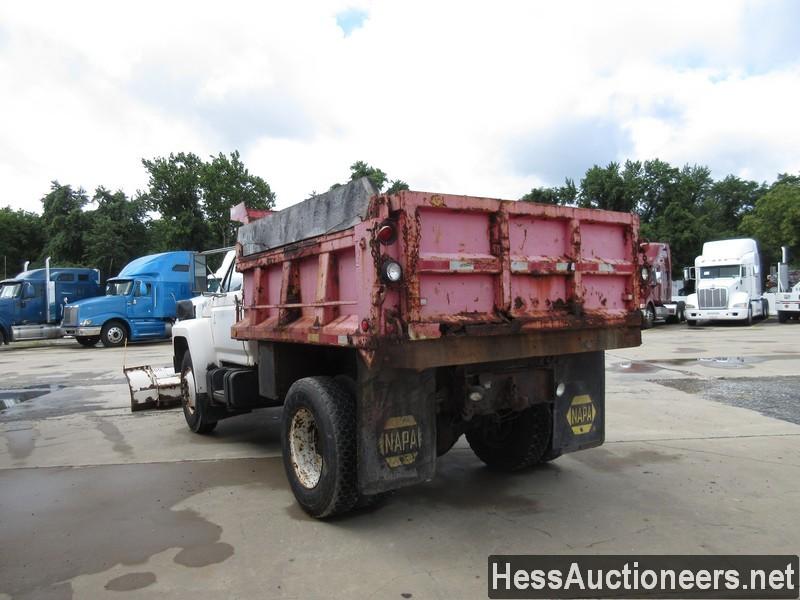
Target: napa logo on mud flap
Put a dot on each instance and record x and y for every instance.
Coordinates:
(581, 414)
(400, 441)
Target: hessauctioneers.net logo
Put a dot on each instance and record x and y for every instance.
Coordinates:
(646, 576)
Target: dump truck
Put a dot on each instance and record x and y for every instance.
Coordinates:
(656, 301)
(388, 326)
(32, 303)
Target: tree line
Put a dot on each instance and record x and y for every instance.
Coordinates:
(687, 206)
(187, 202)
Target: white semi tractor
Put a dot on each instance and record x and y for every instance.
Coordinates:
(728, 286)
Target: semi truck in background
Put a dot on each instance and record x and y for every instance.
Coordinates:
(387, 326)
(32, 303)
(787, 298)
(655, 288)
(728, 283)
(140, 303)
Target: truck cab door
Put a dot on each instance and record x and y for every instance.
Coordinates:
(140, 310)
(31, 304)
(223, 316)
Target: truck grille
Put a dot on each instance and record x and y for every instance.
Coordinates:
(713, 298)
(70, 316)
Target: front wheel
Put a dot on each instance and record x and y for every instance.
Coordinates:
(749, 319)
(318, 438)
(113, 334)
(87, 341)
(691, 322)
(514, 441)
(783, 316)
(649, 317)
(195, 406)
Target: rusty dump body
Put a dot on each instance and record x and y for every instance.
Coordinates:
(482, 279)
(437, 316)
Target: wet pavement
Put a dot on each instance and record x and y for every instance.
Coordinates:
(702, 456)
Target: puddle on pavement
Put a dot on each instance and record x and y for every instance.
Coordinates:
(12, 397)
(714, 362)
(87, 520)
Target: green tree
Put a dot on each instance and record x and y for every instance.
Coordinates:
(730, 200)
(117, 231)
(566, 194)
(361, 169)
(225, 182)
(22, 239)
(175, 193)
(604, 187)
(397, 185)
(775, 220)
(64, 224)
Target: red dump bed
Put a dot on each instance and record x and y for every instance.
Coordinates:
(471, 268)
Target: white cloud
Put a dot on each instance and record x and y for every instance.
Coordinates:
(463, 97)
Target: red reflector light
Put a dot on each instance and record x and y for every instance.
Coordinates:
(365, 325)
(386, 233)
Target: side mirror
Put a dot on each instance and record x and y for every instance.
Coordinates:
(200, 283)
(688, 273)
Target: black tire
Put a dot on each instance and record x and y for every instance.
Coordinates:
(318, 439)
(3, 339)
(195, 406)
(114, 334)
(764, 310)
(681, 313)
(87, 341)
(649, 317)
(691, 322)
(749, 320)
(783, 316)
(516, 443)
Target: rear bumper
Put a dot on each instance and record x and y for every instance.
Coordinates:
(81, 331)
(787, 306)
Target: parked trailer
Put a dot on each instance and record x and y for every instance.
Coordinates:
(656, 299)
(389, 325)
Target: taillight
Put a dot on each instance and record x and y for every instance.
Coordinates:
(387, 232)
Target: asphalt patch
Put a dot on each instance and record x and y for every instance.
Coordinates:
(776, 397)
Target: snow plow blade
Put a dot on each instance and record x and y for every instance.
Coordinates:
(153, 387)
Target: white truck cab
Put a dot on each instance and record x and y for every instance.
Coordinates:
(728, 286)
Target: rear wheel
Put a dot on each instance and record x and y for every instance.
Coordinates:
(691, 322)
(3, 339)
(195, 406)
(318, 437)
(113, 334)
(783, 316)
(87, 341)
(514, 441)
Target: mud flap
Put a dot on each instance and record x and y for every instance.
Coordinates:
(396, 428)
(579, 412)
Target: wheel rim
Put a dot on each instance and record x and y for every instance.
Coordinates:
(115, 334)
(189, 390)
(304, 448)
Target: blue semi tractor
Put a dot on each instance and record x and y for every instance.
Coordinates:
(31, 304)
(140, 303)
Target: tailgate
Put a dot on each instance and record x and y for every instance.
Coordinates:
(476, 260)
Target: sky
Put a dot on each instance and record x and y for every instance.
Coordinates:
(480, 98)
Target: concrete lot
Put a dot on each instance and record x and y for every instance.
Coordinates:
(703, 456)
